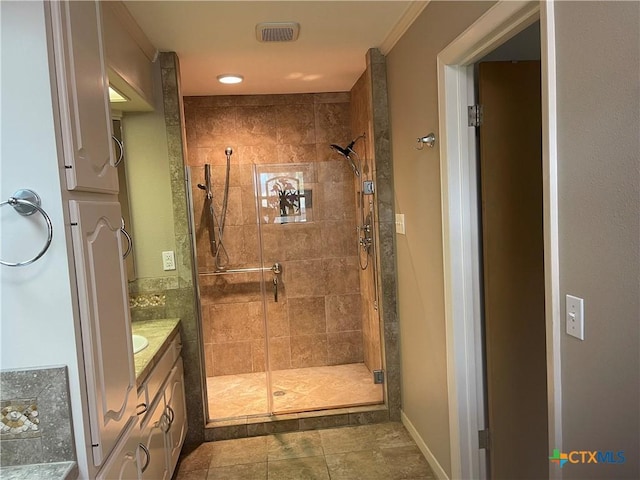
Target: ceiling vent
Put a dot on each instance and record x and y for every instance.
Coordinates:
(277, 31)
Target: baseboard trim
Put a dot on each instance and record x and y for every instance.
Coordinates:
(431, 459)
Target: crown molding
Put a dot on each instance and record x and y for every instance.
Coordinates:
(410, 14)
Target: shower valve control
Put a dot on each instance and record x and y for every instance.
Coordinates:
(367, 187)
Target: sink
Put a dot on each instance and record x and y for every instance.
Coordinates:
(139, 343)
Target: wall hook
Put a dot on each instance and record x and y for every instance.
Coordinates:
(429, 140)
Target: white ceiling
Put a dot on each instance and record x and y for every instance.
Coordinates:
(216, 37)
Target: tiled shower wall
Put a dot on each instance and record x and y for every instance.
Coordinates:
(317, 320)
(361, 123)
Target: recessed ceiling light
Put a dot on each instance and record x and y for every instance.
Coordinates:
(115, 96)
(230, 78)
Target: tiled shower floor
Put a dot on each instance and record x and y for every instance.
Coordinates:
(304, 389)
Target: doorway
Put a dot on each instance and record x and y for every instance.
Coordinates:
(510, 184)
(459, 175)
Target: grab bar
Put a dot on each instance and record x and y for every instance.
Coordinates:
(275, 268)
(27, 202)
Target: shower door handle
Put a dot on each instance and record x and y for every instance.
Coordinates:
(275, 288)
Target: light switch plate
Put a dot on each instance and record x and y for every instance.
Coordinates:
(575, 316)
(400, 223)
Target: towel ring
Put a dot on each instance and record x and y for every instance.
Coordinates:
(27, 202)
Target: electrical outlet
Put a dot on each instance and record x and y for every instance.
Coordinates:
(168, 260)
(575, 316)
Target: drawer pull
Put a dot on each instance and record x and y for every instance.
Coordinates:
(146, 451)
(141, 408)
(171, 416)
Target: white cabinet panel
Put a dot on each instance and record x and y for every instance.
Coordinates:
(82, 89)
(154, 439)
(177, 410)
(123, 464)
(105, 321)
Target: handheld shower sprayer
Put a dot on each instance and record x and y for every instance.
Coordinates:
(216, 223)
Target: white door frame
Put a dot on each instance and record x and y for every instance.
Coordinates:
(461, 225)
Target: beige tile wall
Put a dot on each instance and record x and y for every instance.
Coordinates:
(317, 320)
(361, 123)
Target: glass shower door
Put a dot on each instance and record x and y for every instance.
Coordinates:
(307, 225)
(231, 299)
(285, 210)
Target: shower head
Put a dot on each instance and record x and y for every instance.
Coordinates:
(342, 151)
(346, 153)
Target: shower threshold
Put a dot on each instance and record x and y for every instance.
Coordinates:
(256, 425)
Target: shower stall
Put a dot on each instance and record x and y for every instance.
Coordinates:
(283, 231)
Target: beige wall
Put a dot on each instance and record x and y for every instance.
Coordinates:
(149, 185)
(412, 79)
(598, 67)
(599, 180)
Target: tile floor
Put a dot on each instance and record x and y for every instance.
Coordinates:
(304, 389)
(383, 451)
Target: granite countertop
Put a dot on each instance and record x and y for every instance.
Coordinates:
(41, 471)
(159, 333)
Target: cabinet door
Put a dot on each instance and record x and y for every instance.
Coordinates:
(105, 321)
(123, 464)
(177, 412)
(82, 85)
(154, 440)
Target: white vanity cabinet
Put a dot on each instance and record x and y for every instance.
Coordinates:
(164, 424)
